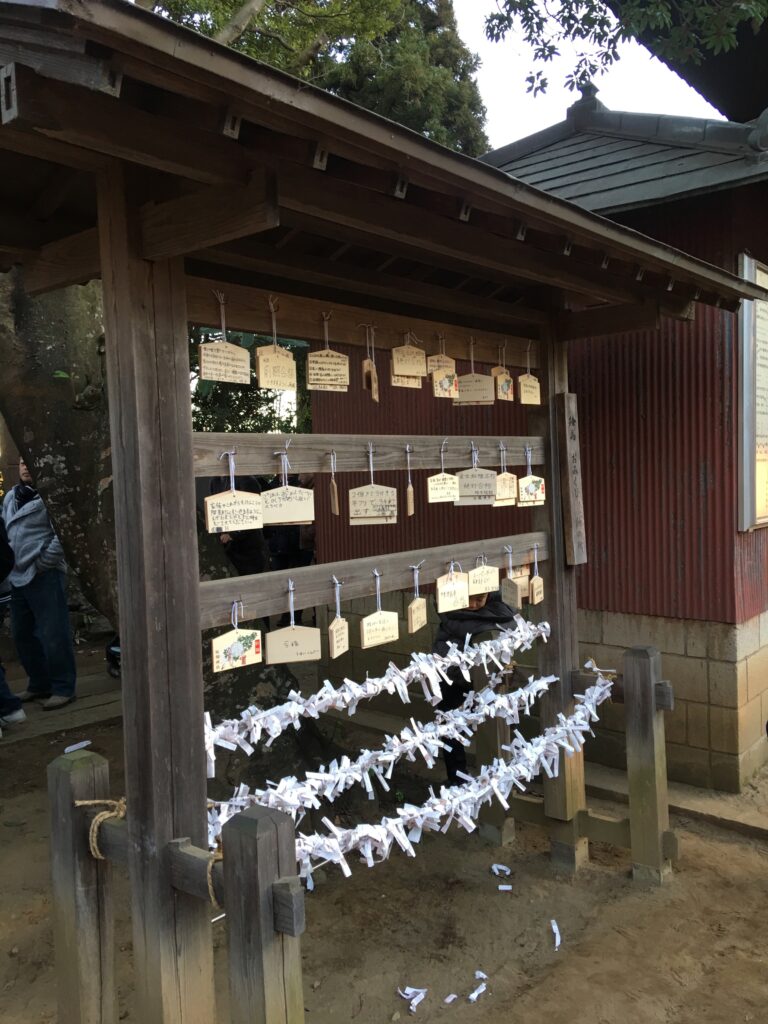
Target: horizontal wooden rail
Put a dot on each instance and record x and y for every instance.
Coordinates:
(267, 593)
(310, 453)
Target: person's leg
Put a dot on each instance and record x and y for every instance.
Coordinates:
(28, 646)
(10, 705)
(455, 756)
(47, 596)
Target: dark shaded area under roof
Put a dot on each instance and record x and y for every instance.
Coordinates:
(607, 160)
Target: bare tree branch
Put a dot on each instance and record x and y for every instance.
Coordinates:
(239, 21)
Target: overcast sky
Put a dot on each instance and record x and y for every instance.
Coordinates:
(638, 82)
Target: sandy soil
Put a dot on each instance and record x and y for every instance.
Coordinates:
(694, 951)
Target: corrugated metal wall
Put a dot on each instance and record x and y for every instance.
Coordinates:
(658, 415)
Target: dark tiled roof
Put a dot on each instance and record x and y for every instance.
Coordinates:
(608, 161)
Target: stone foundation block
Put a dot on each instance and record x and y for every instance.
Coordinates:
(728, 683)
(621, 630)
(687, 675)
(757, 673)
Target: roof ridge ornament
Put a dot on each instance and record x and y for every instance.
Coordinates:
(758, 137)
(587, 104)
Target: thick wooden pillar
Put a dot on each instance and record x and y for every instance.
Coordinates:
(145, 320)
(564, 796)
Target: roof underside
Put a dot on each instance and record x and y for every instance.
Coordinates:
(369, 213)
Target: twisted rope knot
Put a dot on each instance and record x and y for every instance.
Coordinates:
(113, 809)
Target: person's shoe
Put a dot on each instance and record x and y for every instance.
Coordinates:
(29, 695)
(55, 702)
(14, 718)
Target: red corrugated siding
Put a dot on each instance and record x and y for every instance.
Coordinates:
(402, 411)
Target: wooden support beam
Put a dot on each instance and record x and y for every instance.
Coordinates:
(113, 128)
(262, 259)
(173, 228)
(300, 317)
(646, 767)
(620, 319)
(165, 773)
(267, 593)
(564, 796)
(202, 219)
(264, 964)
(603, 828)
(309, 453)
(83, 918)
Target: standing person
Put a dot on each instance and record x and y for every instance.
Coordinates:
(11, 711)
(39, 610)
(486, 612)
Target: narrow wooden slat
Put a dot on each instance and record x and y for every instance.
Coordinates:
(83, 921)
(299, 317)
(569, 453)
(309, 453)
(267, 593)
(602, 828)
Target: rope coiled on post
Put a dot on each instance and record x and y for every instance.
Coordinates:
(113, 809)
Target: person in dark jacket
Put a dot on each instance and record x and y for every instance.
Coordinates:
(485, 613)
(11, 711)
(39, 607)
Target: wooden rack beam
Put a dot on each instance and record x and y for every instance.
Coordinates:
(267, 593)
(309, 453)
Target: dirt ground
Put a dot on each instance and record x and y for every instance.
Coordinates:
(693, 951)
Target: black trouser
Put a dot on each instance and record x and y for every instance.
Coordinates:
(455, 757)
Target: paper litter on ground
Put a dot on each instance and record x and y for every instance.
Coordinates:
(556, 933)
(474, 996)
(500, 869)
(413, 996)
(505, 888)
(450, 998)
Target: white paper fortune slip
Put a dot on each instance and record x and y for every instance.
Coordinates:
(556, 933)
(381, 627)
(338, 631)
(452, 590)
(501, 870)
(294, 643)
(413, 996)
(220, 360)
(483, 579)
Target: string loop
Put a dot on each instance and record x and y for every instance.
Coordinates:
(415, 569)
(231, 456)
(377, 575)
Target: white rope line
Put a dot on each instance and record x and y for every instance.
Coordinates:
(428, 669)
(457, 726)
(462, 804)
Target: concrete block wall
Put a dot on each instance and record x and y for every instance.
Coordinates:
(716, 736)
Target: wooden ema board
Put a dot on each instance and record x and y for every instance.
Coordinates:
(440, 362)
(409, 361)
(505, 387)
(483, 579)
(236, 649)
(327, 371)
(475, 389)
(445, 384)
(372, 505)
(378, 628)
(417, 614)
(338, 637)
(275, 368)
(371, 378)
(506, 490)
(452, 591)
(530, 389)
(476, 487)
(231, 511)
(442, 487)
(289, 506)
(222, 361)
(512, 593)
(400, 380)
(535, 590)
(294, 643)
(531, 491)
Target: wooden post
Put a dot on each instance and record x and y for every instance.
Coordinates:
(83, 923)
(147, 360)
(265, 983)
(646, 766)
(564, 796)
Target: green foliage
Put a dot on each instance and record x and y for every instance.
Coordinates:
(681, 30)
(419, 74)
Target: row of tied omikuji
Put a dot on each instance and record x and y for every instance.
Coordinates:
(454, 591)
(328, 369)
(372, 504)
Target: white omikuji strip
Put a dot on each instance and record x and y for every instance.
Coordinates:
(428, 669)
(458, 725)
(462, 803)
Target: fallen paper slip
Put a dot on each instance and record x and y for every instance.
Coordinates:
(450, 998)
(481, 974)
(501, 869)
(556, 933)
(505, 888)
(474, 996)
(77, 746)
(413, 996)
